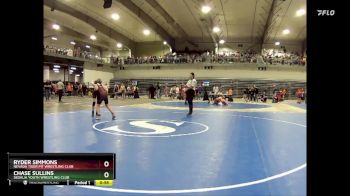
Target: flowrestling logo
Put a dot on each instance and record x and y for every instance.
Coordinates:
(326, 12)
(150, 128)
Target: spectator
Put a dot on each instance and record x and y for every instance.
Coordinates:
(136, 92)
(263, 97)
(54, 88)
(300, 95)
(47, 86)
(84, 88)
(158, 90)
(251, 93)
(80, 90)
(177, 91)
(151, 91)
(205, 95)
(256, 92)
(128, 90)
(200, 91)
(69, 89)
(75, 89)
(274, 91)
(166, 90)
(122, 90)
(60, 87)
(215, 89)
(230, 94)
(116, 90)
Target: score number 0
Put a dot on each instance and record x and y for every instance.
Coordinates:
(106, 174)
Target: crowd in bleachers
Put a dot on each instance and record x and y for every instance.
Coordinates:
(270, 56)
(76, 52)
(174, 58)
(280, 56)
(249, 56)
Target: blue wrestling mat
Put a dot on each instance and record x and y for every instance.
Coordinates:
(163, 151)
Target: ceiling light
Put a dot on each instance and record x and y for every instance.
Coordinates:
(300, 12)
(73, 68)
(277, 43)
(205, 9)
(286, 31)
(216, 29)
(77, 75)
(222, 41)
(56, 66)
(119, 45)
(55, 69)
(115, 16)
(87, 46)
(54, 38)
(56, 26)
(93, 37)
(164, 43)
(146, 32)
(73, 43)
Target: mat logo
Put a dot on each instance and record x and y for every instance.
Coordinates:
(150, 127)
(146, 124)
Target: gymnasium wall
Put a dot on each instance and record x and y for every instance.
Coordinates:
(210, 46)
(53, 76)
(180, 45)
(150, 49)
(233, 46)
(290, 46)
(241, 71)
(56, 76)
(116, 53)
(92, 72)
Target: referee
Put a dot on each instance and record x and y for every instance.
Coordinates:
(190, 92)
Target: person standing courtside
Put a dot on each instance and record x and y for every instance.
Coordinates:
(158, 90)
(256, 92)
(190, 92)
(60, 87)
(84, 88)
(69, 89)
(47, 86)
(136, 92)
(122, 89)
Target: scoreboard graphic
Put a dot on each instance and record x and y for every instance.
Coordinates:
(61, 169)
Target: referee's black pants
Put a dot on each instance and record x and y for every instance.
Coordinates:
(190, 105)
